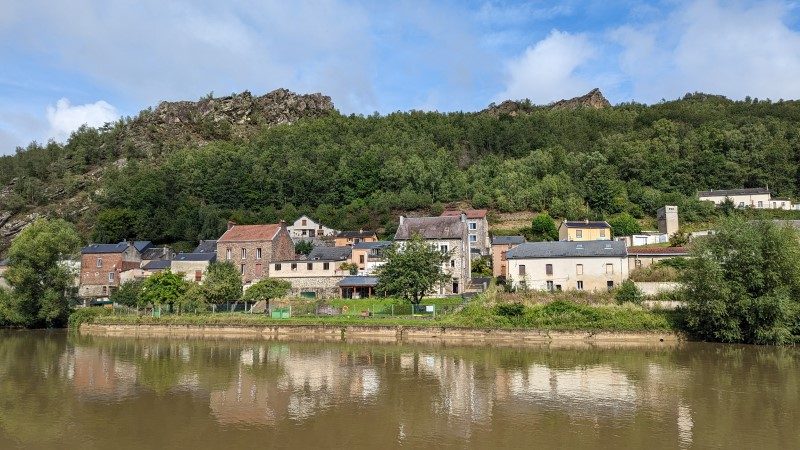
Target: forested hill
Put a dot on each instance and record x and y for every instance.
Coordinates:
(176, 181)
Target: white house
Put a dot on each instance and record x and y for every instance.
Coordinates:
(305, 227)
(567, 265)
(759, 198)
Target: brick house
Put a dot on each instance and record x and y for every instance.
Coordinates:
(478, 228)
(252, 248)
(101, 265)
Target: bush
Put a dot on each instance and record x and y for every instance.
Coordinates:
(86, 315)
(629, 293)
(510, 309)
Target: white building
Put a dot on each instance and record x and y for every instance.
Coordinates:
(305, 227)
(759, 198)
(567, 265)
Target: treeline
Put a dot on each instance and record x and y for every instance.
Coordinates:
(355, 171)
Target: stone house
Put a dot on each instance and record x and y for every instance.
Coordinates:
(192, 265)
(305, 227)
(584, 230)
(101, 265)
(349, 238)
(759, 198)
(564, 265)
(313, 278)
(478, 227)
(252, 248)
(642, 257)
(368, 256)
(501, 245)
(157, 254)
(450, 235)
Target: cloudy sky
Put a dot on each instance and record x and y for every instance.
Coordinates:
(65, 63)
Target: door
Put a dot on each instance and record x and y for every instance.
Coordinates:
(455, 286)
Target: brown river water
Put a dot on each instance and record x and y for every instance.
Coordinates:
(65, 391)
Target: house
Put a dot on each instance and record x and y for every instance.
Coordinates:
(3, 269)
(252, 247)
(311, 278)
(206, 246)
(567, 265)
(369, 255)
(450, 235)
(501, 245)
(193, 265)
(641, 257)
(759, 198)
(358, 286)
(339, 254)
(478, 227)
(101, 265)
(584, 230)
(345, 238)
(157, 254)
(305, 227)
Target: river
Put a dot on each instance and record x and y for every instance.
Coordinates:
(68, 391)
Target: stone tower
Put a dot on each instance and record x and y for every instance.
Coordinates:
(668, 220)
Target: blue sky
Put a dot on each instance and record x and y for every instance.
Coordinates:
(64, 63)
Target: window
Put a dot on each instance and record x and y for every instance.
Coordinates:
(277, 267)
(452, 263)
(548, 269)
(610, 285)
(637, 263)
(303, 222)
(473, 225)
(310, 266)
(549, 285)
(110, 277)
(558, 287)
(241, 269)
(244, 253)
(228, 254)
(105, 290)
(258, 253)
(760, 204)
(602, 232)
(99, 262)
(503, 255)
(741, 204)
(326, 266)
(522, 269)
(578, 233)
(579, 286)
(579, 269)
(609, 269)
(294, 266)
(198, 275)
(473, 238)
(361, 259)
(444, 248)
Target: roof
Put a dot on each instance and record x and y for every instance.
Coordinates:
(195, 257)
(330, 253)
(657, 251)
(158, 264)
(729, 192)
(471, 213)
(142, 245)
(443, 227)
(508, 240)
(104, 248)
(246, 233)
(358, 280)
(206, 246)
(156, 252)
(585, 224)
(372, 245)
(355, 234)
(567, 249)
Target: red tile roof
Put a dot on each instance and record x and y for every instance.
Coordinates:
(655, 250)
(471, 213)
(244, 233)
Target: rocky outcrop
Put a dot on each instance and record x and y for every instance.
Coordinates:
(593, 99)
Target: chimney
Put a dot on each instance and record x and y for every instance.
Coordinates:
(402, 218)
(586, 220)
(231, 224)
(463, 217)
(360, 231)
(282, 223)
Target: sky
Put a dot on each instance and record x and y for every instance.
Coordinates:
(68, 63)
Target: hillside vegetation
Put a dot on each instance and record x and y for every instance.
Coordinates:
(137, 180)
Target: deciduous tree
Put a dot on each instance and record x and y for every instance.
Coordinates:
(412, 269)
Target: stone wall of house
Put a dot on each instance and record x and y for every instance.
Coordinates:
(282, 246)
(481, 232)
(323, 287)
(189, 269)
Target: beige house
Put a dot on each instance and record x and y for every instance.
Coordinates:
(759, 198)
(368, 256)
(252, 248)
(642, 257)
(193, 266)
(305, 227)
(310, 278)
(563, 265)
(478, 226)
(500, 246)
(450, 235)
(350, 238)
(584, 230)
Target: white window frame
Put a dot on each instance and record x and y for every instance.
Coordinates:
(473, 238)
(473, 225)
(609, 269)
(244, 253)
(99, 262)
(579, 234)
(578, 269)
(258, 253)
(111, 277)
(228, 254)
(579, 285)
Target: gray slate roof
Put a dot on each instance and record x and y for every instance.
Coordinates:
(729, 192)
(586, 224)
(372, 245)
(508, 240)
(358, 280)
(448, 227)
(567, 249)
(330, 253)
(355, 234)
(206, 246)
(158, 264)
(104, 248)
(196, 257)
(157, 253)
(142, 245)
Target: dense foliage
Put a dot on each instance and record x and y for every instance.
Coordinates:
(743, 284)
(543, 228)
(266, 290)
(354, 171)
(412, 270)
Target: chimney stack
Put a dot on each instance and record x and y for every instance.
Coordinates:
(463, 217)
(231, 224)
(586, 220)
(401, 220)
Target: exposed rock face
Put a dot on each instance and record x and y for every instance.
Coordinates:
(594, 99)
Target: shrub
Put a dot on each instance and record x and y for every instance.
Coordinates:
(628, 293)
(86, 315)
(510, 309)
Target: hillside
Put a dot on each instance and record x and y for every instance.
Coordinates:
(178, 172)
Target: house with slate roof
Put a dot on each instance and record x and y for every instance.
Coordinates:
(478, 226)
(584, 230)
(101, 265)
(759, 198)
(500, 246)
(251, 248)
(349, 238)
(450, 235)
(567, 265)
(368, 256)
(192, 265)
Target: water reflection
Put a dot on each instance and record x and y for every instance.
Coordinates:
(205, 393)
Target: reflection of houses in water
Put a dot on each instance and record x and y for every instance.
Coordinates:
(95, 373)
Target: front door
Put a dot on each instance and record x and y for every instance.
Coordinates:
(455, 286)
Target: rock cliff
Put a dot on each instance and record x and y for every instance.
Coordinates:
(593, 99)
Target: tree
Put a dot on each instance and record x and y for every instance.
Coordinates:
(266, 290)
(194, 299)
(628, 292)
(544, 228)
(303, 247)
(679, 239)
(482, 267)
(743, 284)
(624, 225)
(163, 288)
(42, 285)
(114, 225)
(128, 294)
(223, 283)
(412, 270)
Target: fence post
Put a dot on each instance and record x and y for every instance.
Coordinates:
(434, 311)
(392, 309)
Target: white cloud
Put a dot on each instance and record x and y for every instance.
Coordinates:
(551, 69)
(65, 118)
